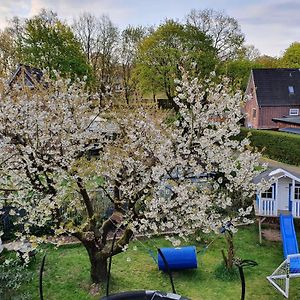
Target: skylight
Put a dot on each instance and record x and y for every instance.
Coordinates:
(291, 90)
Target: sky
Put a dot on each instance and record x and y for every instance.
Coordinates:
(270, 25)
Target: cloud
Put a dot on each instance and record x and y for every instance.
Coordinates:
(37, 5)
(69, 9)
(285, 13)
(9, 9)
(118, 11)
(270, 25)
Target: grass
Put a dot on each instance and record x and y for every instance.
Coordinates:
(67, 271)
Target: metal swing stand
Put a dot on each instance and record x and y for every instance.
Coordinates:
(280, 278)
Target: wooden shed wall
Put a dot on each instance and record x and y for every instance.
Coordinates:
(268, 113)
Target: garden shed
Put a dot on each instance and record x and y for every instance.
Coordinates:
(283, 197)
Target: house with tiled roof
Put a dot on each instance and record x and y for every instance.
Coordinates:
(273, 99)
(26, 76)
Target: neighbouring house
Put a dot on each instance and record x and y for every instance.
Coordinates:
(274, 95)
(26, 76)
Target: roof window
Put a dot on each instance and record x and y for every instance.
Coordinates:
(291, 90)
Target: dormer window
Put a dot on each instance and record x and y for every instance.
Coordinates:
(291, 90)
(294, 112)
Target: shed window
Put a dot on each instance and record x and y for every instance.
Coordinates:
(269, 194)
(294, 112)
(291, 90)
(254, 113)
(297, 193)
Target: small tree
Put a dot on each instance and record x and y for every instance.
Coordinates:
(12, 276)
(237, 71)
(48, 43)
(159, 54)
(99, 38)
(224, 31)
(7, 53)
(291, 56)
(130, 39)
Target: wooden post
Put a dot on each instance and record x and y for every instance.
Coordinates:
(259, 203)
(259, 231)
(292, 197)
(276, 198)
(260, 221)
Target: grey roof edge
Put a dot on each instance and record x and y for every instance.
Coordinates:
(266, 174)
(288, 120)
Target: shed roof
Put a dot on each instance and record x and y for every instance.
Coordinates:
(277, 172)
(290, 130)
(32, 74)
(272, 86)
(288, 120)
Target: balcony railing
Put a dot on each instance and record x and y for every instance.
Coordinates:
(296, 209)
(267, 207)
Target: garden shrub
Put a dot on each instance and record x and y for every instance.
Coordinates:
(12, 276)
(280, 146)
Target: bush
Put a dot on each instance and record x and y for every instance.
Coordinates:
(225, 274)
(280, 146)
(12, 276)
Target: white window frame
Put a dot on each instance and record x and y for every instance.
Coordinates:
(297, 193)
(294, 112)
(272, 188)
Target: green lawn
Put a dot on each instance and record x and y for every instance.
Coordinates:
(67, 272)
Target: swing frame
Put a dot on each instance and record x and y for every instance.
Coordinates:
(287, 276)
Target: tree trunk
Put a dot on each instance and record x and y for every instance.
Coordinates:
(230, 251)
(154, 97)
(98, 264)
(98, 270)
(127, 95)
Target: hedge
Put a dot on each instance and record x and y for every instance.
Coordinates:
(280, 146)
